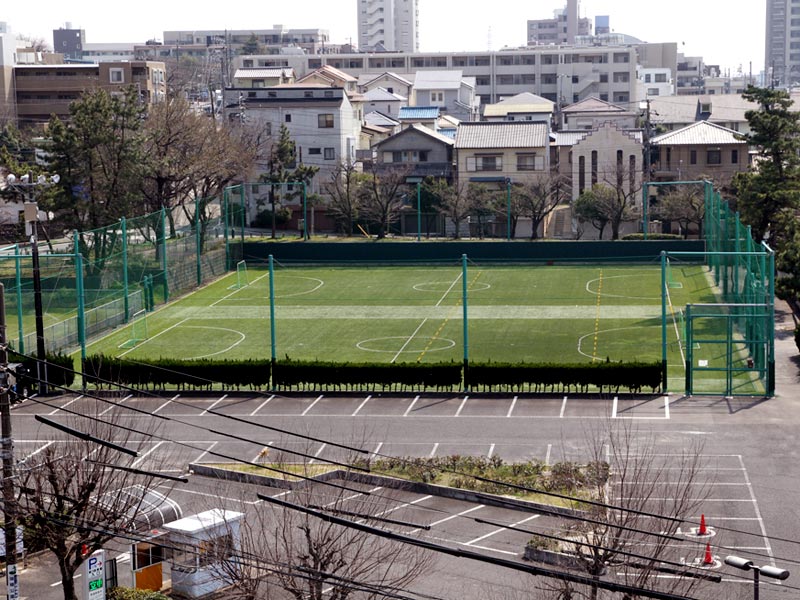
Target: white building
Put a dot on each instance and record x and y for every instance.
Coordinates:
(391, 25)
(657, 82)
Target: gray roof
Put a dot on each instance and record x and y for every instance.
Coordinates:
(427, 131)
(379, 94)
(380, 119)
(725, 108)
(438, 80)
(697, 134)
(507, 134)
(252, 73)
(594, 105)
(367, 78)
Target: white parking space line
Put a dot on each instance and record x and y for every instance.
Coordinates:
(205, 412)
(175, 397)
(508, 552)
(666, 407)
(115, 405)
(263, 453)
(614, 407)
(58, 583)
(563, 408)
(435, 448)
(401, 506)
(210, 448)
(377, 449)
(262, 405)
(502, 529)
(50, 414)
(491, 451)
(146, 454)
(312, 405)
(35, 452)
(547, 456)
(360, 406)
(411, 406)
(317, 453)
(757, 510)
(450, 518)
(353, 497)
(461, 407)
(511, 408)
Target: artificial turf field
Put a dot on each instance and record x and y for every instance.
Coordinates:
(557, 313)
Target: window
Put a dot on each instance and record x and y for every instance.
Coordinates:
(116, 75)
(526, 162)
(693, 157)
(287, 118)
(647, 78)
(581, 173)
(308, 94)
(621, 77)
(330, 154)
(315, 150)
(437, 98)
(325, 121)
(487, 162)
(594, 168)
(713, 156)
(603, 77)
(653, 91)
(661, 78)
(735, 157)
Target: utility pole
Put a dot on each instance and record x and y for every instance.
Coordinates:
(7, 453)
(646, 174)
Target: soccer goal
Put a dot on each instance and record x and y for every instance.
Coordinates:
(671, 281)
(241, 276)
(138, 330)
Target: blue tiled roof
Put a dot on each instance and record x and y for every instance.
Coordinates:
(417, 113)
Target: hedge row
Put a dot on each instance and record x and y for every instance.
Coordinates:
(60, 369)
(289, 375)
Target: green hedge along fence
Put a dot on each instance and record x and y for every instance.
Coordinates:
(288, 375)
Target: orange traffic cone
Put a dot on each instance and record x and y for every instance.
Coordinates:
(708, 559)
(703, 529)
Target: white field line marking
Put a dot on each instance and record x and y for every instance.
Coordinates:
(410, 407)
(360, 406)
(563, 408)
(450, 518)
(202, 456)
(491, 451)
(317, 453)
(310, 406)
(146, 454)
(496, 531)
(262, 405)
(353, 497)
(758, 512)
(433, 452)
(150, 339)
(461, 407)
(547, 456)
(238, 289)
(377, 449)
(175, 397)
(666, 406)
(115, 405)
(425, 320)
(614, 407)
(205, 412)
(50, 414)
(511, 408)
(675, 325)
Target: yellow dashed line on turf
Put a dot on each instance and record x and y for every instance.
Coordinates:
(597, 316)
(447, 320)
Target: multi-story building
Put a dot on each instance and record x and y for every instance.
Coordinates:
(782, 49)
(657, 82)
(69, 42)
(606, 72)
(270, 41)
(388, 25)
(45, 90)
(561, 29)
(8, 45)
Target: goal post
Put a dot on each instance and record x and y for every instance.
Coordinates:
(138, 330)
(241, 276)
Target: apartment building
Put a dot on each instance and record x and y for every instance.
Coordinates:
(388, 25)
(8, 46)
(270, 41)
(782, 48)
(561, 29)
(45, 90)
(606, 72)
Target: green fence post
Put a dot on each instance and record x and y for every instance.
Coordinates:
(689, 360)
(197, 241)
(305, 212)
(225, 225)
(126, 301)
(272, 311)
(645, 202)
(771, 325)
(465, 320)
(18, 263)
(242, 193)
(81, 299)
(664, 378)
(164, 253)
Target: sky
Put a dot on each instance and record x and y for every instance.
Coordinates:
(725, 33)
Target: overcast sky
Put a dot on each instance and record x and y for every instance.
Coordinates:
(730, 34)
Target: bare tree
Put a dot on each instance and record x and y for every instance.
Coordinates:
(455, 202)
(607, 205)
(627, 471)
(382, 199)
(540, 197)
(75, 495)
(344, 194)
(684, 205)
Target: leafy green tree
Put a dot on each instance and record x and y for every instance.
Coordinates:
(251, 46)
(284, 169)
(767, 197)
(587, 210)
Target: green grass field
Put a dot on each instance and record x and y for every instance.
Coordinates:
(406, 314)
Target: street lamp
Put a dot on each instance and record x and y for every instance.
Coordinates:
(26, 185)
(767, 570)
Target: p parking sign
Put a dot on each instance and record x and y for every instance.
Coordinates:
(94, 576)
